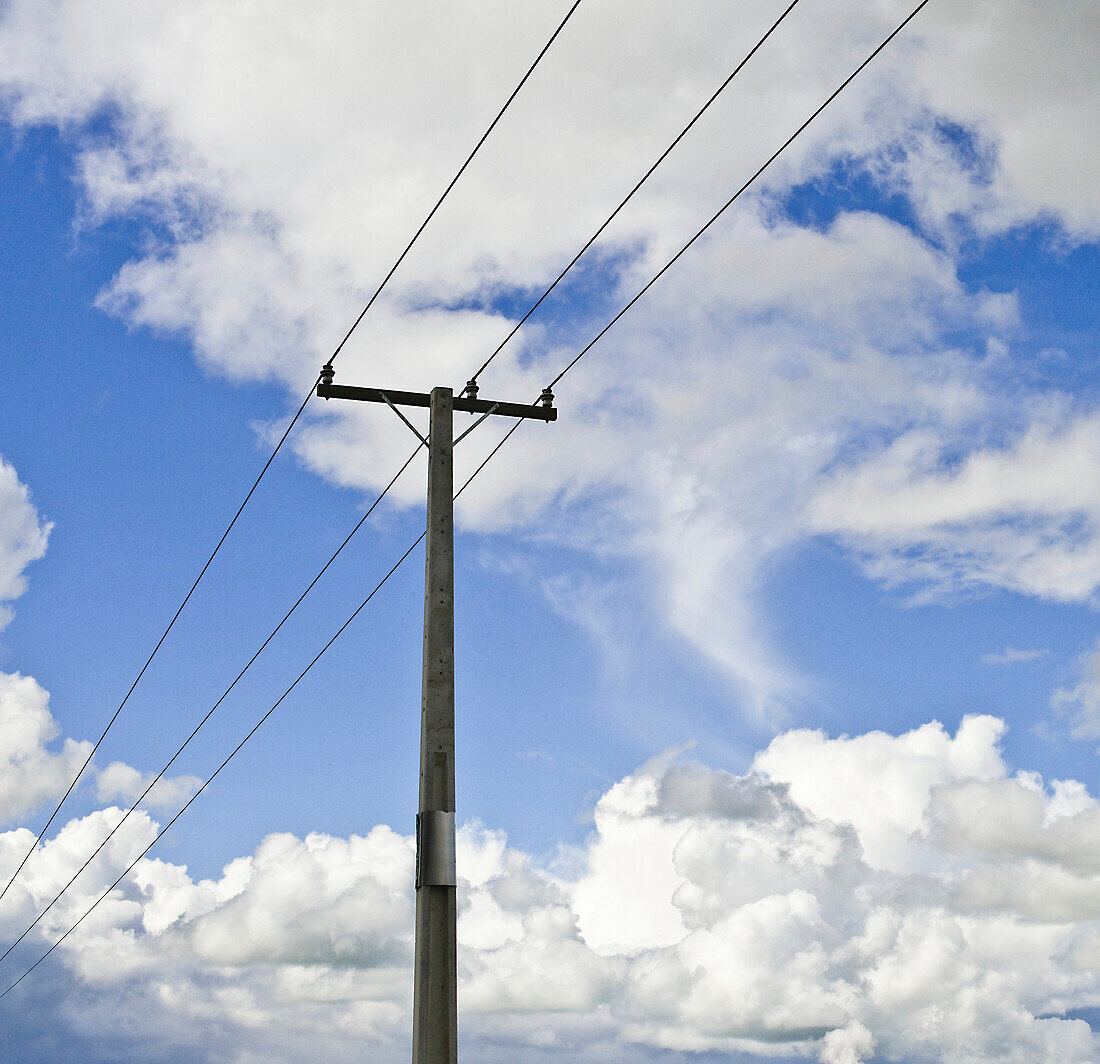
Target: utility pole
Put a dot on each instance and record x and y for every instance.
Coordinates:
(435, 979)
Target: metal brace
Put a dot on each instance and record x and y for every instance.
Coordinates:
(412, 427)
(491, 410)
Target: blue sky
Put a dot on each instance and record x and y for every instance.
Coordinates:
(778, 677)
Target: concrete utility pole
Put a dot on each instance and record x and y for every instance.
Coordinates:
(435, 979)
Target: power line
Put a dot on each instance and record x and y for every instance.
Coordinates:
(630, 195)
(225, 694)
(282, 440)
(725, 206)
(148, 660)
(255, 728)
(721, 210)
(454, 180)
(836, 92)
(183, 746)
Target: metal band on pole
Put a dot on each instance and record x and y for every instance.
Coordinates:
(435, 849)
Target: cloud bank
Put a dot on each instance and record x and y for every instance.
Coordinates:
(897, 897)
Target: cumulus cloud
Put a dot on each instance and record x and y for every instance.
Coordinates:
(315, 900)
(879, 783)
(30, 772)
(119, 780)
(897, 897)
(23, 537)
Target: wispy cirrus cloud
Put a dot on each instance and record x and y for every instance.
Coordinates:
(1012, 656)
(1022, 515)
(1081, 702)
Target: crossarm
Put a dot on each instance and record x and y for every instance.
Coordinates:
(470, 406)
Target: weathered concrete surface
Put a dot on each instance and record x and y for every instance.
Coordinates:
(435, 987)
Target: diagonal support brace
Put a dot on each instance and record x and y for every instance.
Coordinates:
(491, 410)
(412, 427)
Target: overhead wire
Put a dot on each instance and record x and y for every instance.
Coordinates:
(225, 694)
(645, 177)
(641, 181)
(721, 210)
(149, 659)
(569, 366)
(370, 302)
(737, 195)
(255, 728)
(454, 180)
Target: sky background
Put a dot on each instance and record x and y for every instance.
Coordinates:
(778, 670)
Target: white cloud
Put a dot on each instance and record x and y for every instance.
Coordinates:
(1022, 515)
(29, 772)
(656, 469)
(1021, 77)
(881, 784)
(23, 536)
(119, 780)
(758, 914)
(848, 1045)
(625, 901)
(281, 162)
(315, 900)
(1082, 701)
